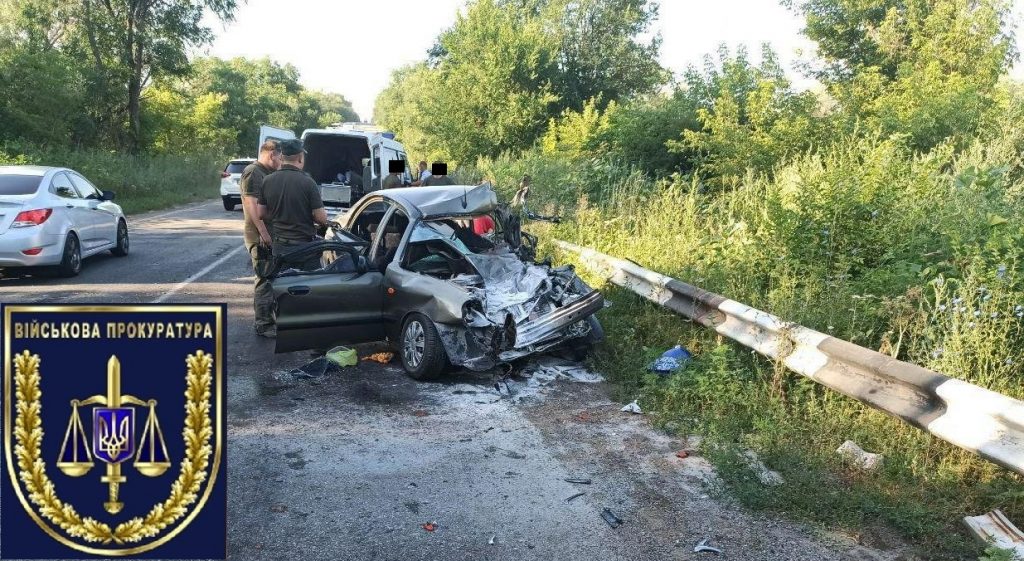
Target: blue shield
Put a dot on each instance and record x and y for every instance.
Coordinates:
(113, 434)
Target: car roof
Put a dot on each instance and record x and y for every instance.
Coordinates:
(242, 161)
(27, 170)
(445, 200)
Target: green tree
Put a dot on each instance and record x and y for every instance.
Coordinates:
(495, 78)
(927, 69)
(134, 41)
(750, 117)
(600, 55)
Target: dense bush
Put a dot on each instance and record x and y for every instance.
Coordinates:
(140, 182)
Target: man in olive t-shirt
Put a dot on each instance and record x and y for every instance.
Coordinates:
(257, 236)
(438, 175)
(291, 203)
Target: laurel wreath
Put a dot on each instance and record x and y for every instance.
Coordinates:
(28, 434)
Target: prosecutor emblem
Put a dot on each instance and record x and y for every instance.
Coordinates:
(85, 446)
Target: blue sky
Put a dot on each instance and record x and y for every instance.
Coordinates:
(351, 46)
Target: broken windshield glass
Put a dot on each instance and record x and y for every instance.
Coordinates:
(438, 231)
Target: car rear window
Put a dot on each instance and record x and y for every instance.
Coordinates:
(19, 184)
(236, 167)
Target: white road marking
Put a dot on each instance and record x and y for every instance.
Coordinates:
(178, 287)
(145, 219)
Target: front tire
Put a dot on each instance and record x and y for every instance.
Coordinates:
(229, 203)
(71, 260)
(423, 355)
(122, 240)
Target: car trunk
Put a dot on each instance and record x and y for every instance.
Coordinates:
(327, 155)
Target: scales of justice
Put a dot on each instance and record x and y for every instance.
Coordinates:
(113, 438)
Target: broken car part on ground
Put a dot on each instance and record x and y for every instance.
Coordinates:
(406, 265)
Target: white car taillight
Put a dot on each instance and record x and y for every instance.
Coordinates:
(35, 217)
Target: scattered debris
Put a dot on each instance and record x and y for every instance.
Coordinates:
(279, 508)
(343, 356)
(610, 518)
(632, 407)
(541, 372)
(382, 358)
(492, 540)
(767, 477)
(576, 496)
(682, 454)
(702, 546)
(858, 457)
(578, 480)
(671, 361)
(420, 413)
(429, 526)
(995, 529)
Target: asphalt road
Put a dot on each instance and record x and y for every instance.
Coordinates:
(354, 464)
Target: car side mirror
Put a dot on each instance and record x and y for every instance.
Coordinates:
(108, 195)
(362, 265)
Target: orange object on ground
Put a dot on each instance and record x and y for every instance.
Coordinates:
(430, 526)
(382, 358)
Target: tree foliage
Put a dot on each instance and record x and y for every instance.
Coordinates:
(495, 78)
(116, 74)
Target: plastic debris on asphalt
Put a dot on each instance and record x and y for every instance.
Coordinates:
(315, 369)
(702, 547)
(632, 407)
(610, 518)
(342, 356)
(858, 457)
(576, 496)
(382, 358)
(536, 375)
(429, 526)
(671, 361)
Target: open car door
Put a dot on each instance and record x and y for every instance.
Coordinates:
(341, 303)
(268, 132)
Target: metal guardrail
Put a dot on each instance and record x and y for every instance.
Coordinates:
(971, 417)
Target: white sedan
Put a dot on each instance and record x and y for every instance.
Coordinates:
(54, 217)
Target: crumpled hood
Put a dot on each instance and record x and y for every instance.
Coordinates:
(509, 284)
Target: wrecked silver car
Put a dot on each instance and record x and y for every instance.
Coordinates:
(408, 266)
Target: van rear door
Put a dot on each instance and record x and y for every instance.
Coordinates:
(268, 132)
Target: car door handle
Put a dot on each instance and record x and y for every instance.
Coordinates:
(70, 205)
(298, 290)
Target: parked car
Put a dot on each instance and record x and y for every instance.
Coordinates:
(405, 265)
(229, 180)
(55, 217)
(335, 157)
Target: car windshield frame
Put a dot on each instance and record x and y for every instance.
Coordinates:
(18, 184)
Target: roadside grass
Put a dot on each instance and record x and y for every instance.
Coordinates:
(919, 256)
(141, 182)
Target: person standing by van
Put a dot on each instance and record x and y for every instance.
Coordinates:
(256, 236)
(395, 170)
(424, 174)
(438, 175)
(292, 204)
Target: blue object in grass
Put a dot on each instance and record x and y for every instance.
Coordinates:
(670, 361)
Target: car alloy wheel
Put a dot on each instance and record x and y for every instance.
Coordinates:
(122, 240)
(413, 343)
(71, 261)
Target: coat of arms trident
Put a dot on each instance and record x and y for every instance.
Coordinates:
(113, 438)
